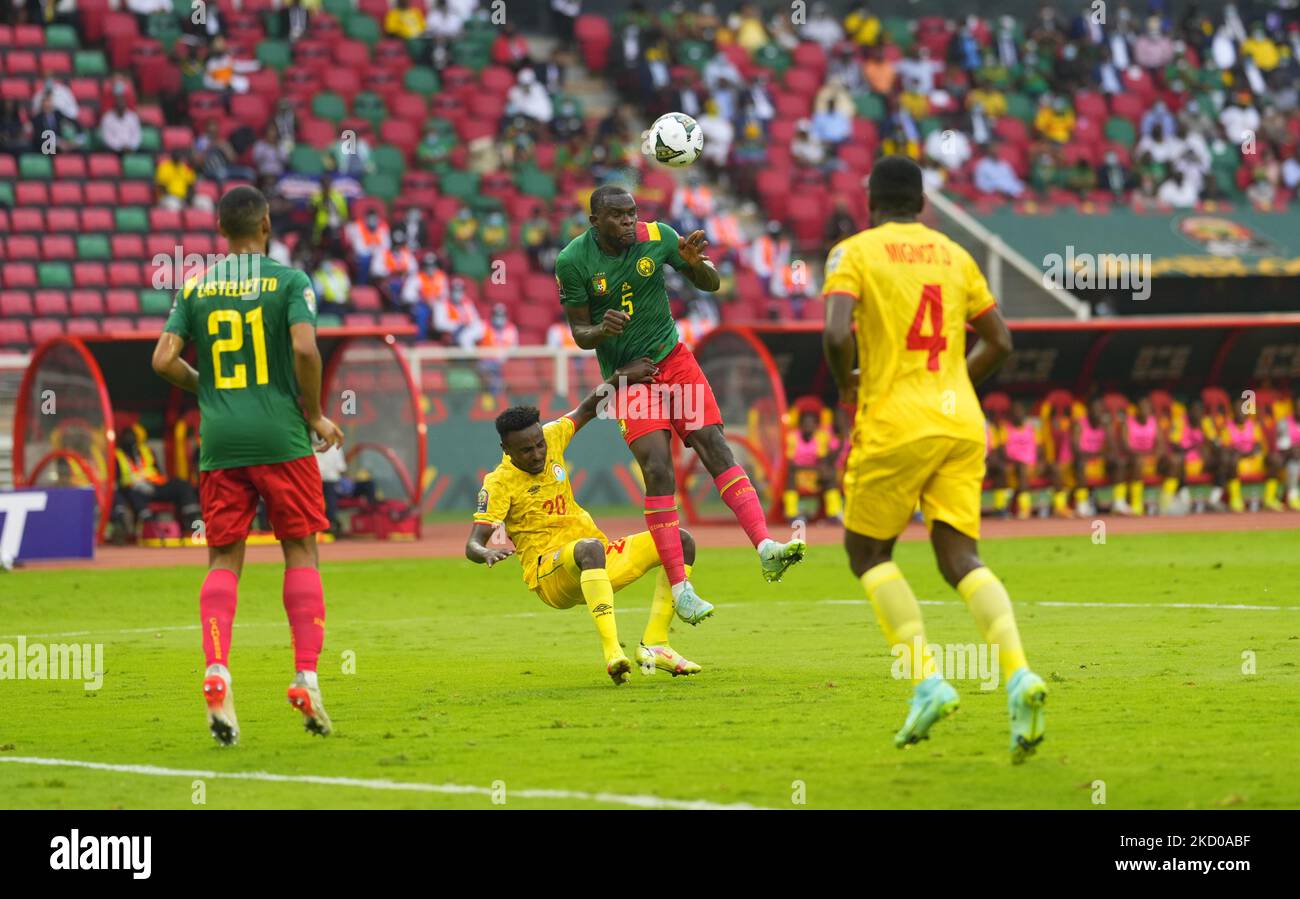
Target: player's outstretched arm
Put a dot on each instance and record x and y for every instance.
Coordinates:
(477, 550)
(993, 348)
(307, 369)
(699, 270)
(588, 335)
(169, 365)
(638, 371)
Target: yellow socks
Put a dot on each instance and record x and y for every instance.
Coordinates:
(989, 603)
(790, 502)
(1001, 497)
(599, 595)
(1234, 495)
(1135, 497)
(1270, 492)
(1170, 487)
(1024, 504)
(899, 616)
(834, 501)
(1080, 495)
(661, 611)
(1060, 501)
(1121, 492)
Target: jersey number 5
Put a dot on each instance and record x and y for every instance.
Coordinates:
(933, 343)
(238, 376)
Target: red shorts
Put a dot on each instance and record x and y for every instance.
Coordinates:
(294, 495)
(680, 400)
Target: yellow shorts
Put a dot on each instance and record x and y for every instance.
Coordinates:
(1251, 466)
(945, 474)
(559, 579)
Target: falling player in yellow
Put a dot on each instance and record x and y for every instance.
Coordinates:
(566, 559)
(919, 435)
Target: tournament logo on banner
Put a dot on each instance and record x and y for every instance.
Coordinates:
(1219, 236)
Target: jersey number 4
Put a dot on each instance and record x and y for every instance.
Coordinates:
(933, 343)
(238, 376)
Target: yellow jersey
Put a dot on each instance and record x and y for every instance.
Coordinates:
(538, 511)
(914, 291)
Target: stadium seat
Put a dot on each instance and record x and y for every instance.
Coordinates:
(50, 303)
(121, 302)
(15, 303)
(55, 274)
(54, 247)
(86, 303)
(13, 333)
(90, 274)
(32, 193)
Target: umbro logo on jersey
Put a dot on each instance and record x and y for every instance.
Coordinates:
(534, 488)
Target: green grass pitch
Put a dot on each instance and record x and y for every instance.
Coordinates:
(464, 678)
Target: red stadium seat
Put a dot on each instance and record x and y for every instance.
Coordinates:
(136, 193)
(69, 165)
(43, 329)
(83, 327)
(86, 302)
(66, 193)
(53, 247)
(29, 221)
(63, 220)
(104, 166)
(366, 299)
(13, 333)
(32, 193)
(50, 303)
(122, 302)
(14, 303)
(118, 325)
(125, 274)
(21, 246)
(89, 274)
(164, 219)
(127, 246)
(20, 64)
(200, 220)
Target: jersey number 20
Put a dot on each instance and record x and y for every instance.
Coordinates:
(933, 343)
(234, 343)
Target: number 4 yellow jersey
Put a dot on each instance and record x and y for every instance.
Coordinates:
(914, 290)
(538, 510)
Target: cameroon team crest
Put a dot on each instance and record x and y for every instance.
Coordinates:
(645, 266)
(599, 286)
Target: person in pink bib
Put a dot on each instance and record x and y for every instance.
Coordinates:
(1021, 446)
(811, 452)
(1243, 453)
(1194, 449)
(1091, 447)
(1143, 448)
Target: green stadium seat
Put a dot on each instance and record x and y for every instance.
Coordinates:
(54, 275)
(328, 320)
(462, 378)
(6, 194)
(462, 185)
(469, 261)
(870, 106)
(131, 219)
(329, 106)
(61, 37)
(306, 160)
(165, 29)
(771, 56)
(339, 9)
(370, 106)
(275, 54)
(35, 165)
(473, 55)
(92, 247)
(536, 183)
(421, 80)
(382, 185)
(899, 30)
(137, 167)
(150, 140)
(929, 124)
(1020, 106)
(89, 64)
(182, 8)
(695, 54)
(1121, 131)
(389, 160)
(155, 302)
(362, 27)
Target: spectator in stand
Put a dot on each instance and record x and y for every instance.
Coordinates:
(845, 66)
(770, 253)
(747, 25)
(833, 112)
(692, 203)
(862, 26)
(1054, 119)
(435, 148)
(1008, 48)
(216, 156)
(720, 69)
(1260, 49)
(1154, 49)
(294, 20)
(755, 100)
(423, 293)
(417, 231)
(351, 155)
(119, 129)
(992, 102)
(456, 319)
(15, 129)
(839, 225)
(443, 22)
(564, 15)
(749, 155)
(950, 147)
(1262, 190)
(897, 143)
(1178, 191)
(495, 233)
(1240, 119)
(878, 71)
(1158, 115)
(224, 73)
(270, 157)
(723, 232)
(994, 175)
(717, 149)
(1163, 147)
(1113, 177)
(528, 98)
(920, 70)
(535, 239)
(329, 213)
(497, 338)
(174, 179)
(141, 483)
(367, 237)
(1291, 180)
(52, 131)
(1079, 178)
(404, 21)
(1043, 172)
(391, 268)
(559, 336)
(793, 283)
(509, 49)
(822, 27)
(332, 284)
(64, 102)
(143, 9)
(964, 48)
(806, 149)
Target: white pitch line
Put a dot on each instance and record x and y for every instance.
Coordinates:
(636, 801)
(1236, 607)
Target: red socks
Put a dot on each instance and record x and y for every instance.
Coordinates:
(304, 601)
(217, 614)
(741, 497)
(661, 519)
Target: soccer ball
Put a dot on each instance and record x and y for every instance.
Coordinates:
(675, 140)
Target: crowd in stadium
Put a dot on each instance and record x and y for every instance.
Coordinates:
(1065, 457)
(426, 165)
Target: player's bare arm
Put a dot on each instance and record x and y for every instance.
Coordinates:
(993, 348)
(699, 270)
(638, 371)
(838, 344)
(477, 550)
(169, 365)
(307, 368)
(588, 335)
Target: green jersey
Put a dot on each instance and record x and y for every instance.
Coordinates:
(237, 314)
(632, 282)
